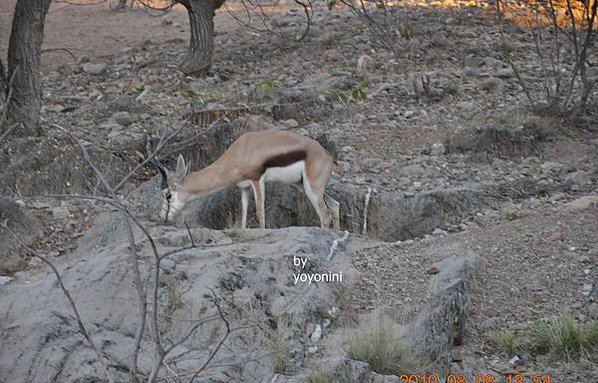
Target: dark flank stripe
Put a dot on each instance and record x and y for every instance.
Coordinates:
(283, 160)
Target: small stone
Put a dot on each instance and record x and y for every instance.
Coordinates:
(123, 118)
(433, 270)
(492, 84)
(556, 236)
(504, 73)
(491, 62)
(94, 69)
(409, 114)
(577, 180)
(586, 288)
(514, 360)
(5, 279)
(317, 334)
(593, 310)
(60, 213)
(290, 123)
(471, 72)
(438, 232)
(95, 94)
(457, 354)
(413, 171)
(417, 184)
(437, 149)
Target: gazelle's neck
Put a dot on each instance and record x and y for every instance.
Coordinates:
(207, 181)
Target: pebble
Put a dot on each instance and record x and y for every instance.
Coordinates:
(290, 123)
(504, 73)
(123, 118)
(587, 288)
(438, 232)
(94, 69)
(60, 213)
(317, 334)
(437, 149)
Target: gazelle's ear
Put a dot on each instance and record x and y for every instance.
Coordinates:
(181, 168)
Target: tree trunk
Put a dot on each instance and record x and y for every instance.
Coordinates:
(3, 81)
(24, 54)
(201, 23)
(122, 4)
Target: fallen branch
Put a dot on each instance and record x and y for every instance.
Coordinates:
(59, 50)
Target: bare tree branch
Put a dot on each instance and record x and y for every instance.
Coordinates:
(308, 9)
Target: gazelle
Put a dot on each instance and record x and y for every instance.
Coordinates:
(252, 160)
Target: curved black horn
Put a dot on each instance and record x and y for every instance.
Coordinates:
(162, 171)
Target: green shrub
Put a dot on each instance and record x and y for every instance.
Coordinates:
(377, 345)
(321, 376)
(564, 335)
(561, 335)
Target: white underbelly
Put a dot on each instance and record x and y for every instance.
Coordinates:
(288, 174)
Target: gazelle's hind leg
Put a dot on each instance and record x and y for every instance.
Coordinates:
(259, 194)
(335, 210)
(244, 203)
(316, 197)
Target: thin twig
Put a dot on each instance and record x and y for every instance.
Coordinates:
(141, 293)
(510, 59)
(220, 343)
(7, 132)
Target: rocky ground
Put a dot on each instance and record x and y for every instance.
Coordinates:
(464, 165)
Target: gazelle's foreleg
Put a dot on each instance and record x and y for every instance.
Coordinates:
(259, 194)
(244, 203)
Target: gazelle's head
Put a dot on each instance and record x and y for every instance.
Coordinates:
(174, 199)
